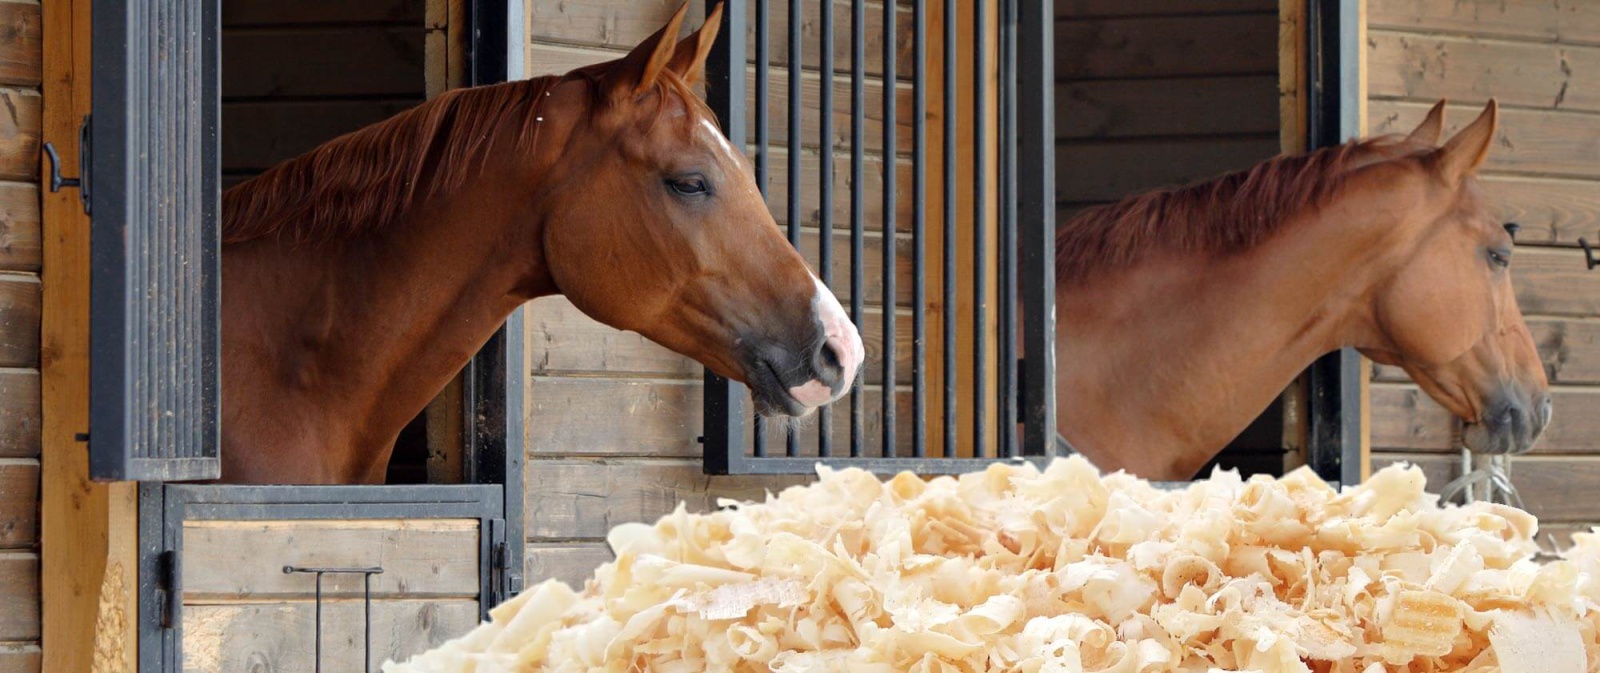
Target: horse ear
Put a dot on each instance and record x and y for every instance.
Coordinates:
(638, 71)
(1427, 133)
(689, 59)
(1470, 148)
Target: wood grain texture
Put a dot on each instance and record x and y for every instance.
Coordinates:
(1526, 141)
(1077, 9)
(1167, 107)
(19, 504)
(1108, 171)
(280, 637)
(21, 300)
(585, 498)
(20, 246)
(301, 62)
(1166, 46)
(1467, 71)
(20, 125)
(1535, 20)
(1555, 488)
(1551, 211)
(21, 44)
(271, 132)
(245, 559)
(1554, 282)
(1405, 419)
(19, 593)
(1570, 350)
(810, 118)
(19, 413)
(297, 12)
(872, 194)
(570, 562)
(20, 658)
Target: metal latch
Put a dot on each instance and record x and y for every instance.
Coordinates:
(84, 152)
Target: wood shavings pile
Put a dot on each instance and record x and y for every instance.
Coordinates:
(1063, 571)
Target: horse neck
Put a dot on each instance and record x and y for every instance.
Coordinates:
(1163, 363)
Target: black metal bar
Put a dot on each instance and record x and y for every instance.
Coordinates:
(725, 93)
(366, 580)
(763, 148)
(890, 207)
(796, 93)
(980, 229)
(1036, 215)
(919, 237)
(858, 253)
(949, 305)
(825, 194)
(1008, 230)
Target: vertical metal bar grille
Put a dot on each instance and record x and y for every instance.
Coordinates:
(858, 224)
(890, 207)
(949, 305)
(763, 149)
(825, 194)
(980, 229)
(796, 95)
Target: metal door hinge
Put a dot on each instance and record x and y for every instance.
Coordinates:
(505, 582)
(85, 134)
(169, 595)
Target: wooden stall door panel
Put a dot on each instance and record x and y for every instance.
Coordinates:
(279, 636)
(244, 560)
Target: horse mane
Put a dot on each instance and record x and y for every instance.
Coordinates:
(1224, 215)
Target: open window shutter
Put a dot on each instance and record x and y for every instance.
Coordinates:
(155, 281)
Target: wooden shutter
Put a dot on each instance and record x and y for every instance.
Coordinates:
(154, 242)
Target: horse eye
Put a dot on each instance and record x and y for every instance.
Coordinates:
(1499, 259)
(687, 186)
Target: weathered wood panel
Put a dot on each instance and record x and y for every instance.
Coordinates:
(283, 63)
(20, 244)
(811, 197)
(19, 593)
(280, 637)
(237, 13)
(1107, 171)
(20, 125)
(1167, 107)
(811, 105)
(1467, 71)
(1554, 488)
(20, 658)
(1549, 210)
(20, 300)
(245, 559)
(577, 498)
(19, 413)
(270, 132)
(1570, 350)
(1075, 9)
(570, 562)
(1167, 46)
(1538, 20)
(1553, 282)
(1527, 141)
(1405, 419)
(19, 503)
(21, 44)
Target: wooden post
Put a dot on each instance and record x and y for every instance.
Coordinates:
(89, 531)
(445, 68)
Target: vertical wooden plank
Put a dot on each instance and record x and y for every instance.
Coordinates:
(1366, 365)
(970, 224)
(1292, 139)
(934, 230)
(444, 68)
(88, 530)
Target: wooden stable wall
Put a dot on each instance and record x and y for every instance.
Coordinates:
(21, 55)
(1541, 60)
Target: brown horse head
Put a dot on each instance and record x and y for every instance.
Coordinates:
(1448, 315)
(655, 224)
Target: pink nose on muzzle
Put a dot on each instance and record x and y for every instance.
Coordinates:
(843, 340)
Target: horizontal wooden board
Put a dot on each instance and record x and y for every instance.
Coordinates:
(20, 243)
(245, 559)
(1563, 532)
(1554, 488)
(663, 418)
(872, 194)
(21, 44)
(19, 413)
(281, 637)
(1404, 418)
(570, 562)
(263, 134)
(20, 658)
(811, 105)
(1167, 107)
(19, 593)
(1426, 68)
(563, 341)
(1554, 282)
(1077, 9)
(1551, 211)
(584, 498)
(1165, 46)
(1527, 141)
(20, 302)
(20, 125)
(1539, 20)
(323, 62)
(1570, 350)
(1107, 171)
(295, 12)
(19, 503)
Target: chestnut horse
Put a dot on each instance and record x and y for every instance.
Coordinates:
(1192, 308)
(361, 276)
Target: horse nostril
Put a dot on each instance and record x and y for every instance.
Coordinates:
(829, 365)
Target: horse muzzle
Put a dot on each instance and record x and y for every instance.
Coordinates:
(1512, 423)
(793, 381)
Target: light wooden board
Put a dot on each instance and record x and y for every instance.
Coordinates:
(20, 247)
(1550, 210)
(1167, 107)
(810, 118)
(19, 593)
(20, 300)
(1535, 20)
(1075, 9)
(20, 658)
(280, 637)
(19, 413)
(19, 503)
(21, 44)
(1165, 46)
(245, 559)
(872, 194)
(570, 562)
(271, 132)
(1527, 142)
(295, 12)
(19, 134)
(367, 61)
(1554, 282)
(1469, 71)
(1555, 488)
(1405, 418)
(1570, 350)
(1107, 171)
(584, 498)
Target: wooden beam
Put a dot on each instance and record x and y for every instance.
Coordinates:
(89, 530)
(444, 69)
(1292, 138)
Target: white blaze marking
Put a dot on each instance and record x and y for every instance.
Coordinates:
(720, 140)
(842, 338)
